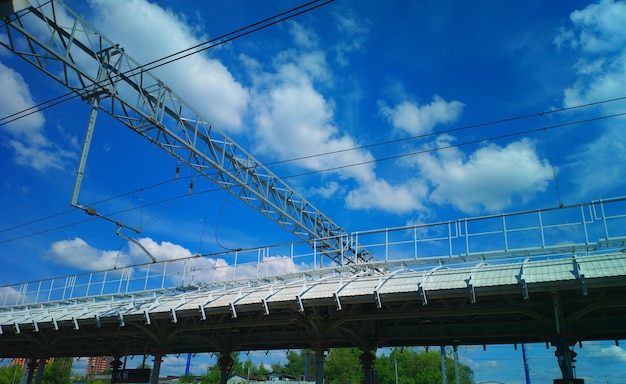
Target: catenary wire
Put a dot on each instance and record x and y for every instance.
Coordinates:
(223, 39)
(414, 153)
(456, 129)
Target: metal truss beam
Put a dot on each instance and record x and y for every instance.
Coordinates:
(78, 56)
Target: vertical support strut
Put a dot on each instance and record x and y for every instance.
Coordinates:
(565, 356)
(85, 152)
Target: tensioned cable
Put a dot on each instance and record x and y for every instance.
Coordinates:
(473, 126)
(223, 39)
(457, 145)
(94, 203)
(415, 153)
(466, 127)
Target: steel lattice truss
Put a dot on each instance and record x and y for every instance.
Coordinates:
(82, 59)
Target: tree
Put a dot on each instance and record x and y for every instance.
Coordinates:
(187, 378)
(59, 371)
(214, 373)
(295, 364)
(342, 365)
(10, 374)
(418, 366)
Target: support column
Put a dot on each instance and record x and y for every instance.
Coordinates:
(320, 347)
(115, 368)
(456, 364)
(156, 368)
(226, 363)
(565, 356)
(367, 358)
(31, 365)
(443, 365)
(40, 367)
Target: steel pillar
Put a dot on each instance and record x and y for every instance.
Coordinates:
(367, 358)
(40, 367)
(156, 368)
(31, 365)
(565, 356)
(320, 347)
(456, 364)
(226, 363)
(115, 367)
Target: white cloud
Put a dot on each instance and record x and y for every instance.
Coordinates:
(608, 152)
(416, 120)
(381, 195)
(148, 32)
(611, 352)
(161, 251)
(328, 190)
(31, 147)
(293, 119)
(601, 26)
(354, 31)
(487, 179)
(599, 36)
(78, 254)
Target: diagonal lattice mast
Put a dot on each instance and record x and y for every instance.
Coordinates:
(61, 44)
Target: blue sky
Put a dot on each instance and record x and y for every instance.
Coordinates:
(384, 79)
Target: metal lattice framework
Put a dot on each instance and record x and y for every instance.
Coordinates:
(99, 71)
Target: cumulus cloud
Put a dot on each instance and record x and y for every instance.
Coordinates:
(414, 119)
(598, 37)
(77, 253)
(487, 179)
(28, 141)
(293, 119)
(205, 82)
(381, 195)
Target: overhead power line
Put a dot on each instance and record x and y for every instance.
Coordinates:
(223, 39)
(456, 129)
(388, 158)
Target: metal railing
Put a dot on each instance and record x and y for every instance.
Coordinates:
(593, 228)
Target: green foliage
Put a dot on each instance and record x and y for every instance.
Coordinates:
(59, 371)
(342, 365)
(9, 372)
(187, 378)
(416, 366)
(295, 364)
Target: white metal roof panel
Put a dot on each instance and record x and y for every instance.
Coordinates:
(494, 275)
(224, 298)
(447, 279)
(361, 286)
(255, 296)
(322, 289)
(401, 283)
(549, 270)
(603, 266)
(195, 301)
(285, 293)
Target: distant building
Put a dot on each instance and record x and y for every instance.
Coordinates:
(98, 364)
(21, 361)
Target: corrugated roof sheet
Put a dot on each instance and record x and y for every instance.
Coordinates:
(505, 275)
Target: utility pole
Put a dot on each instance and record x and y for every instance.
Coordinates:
(526, 369)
